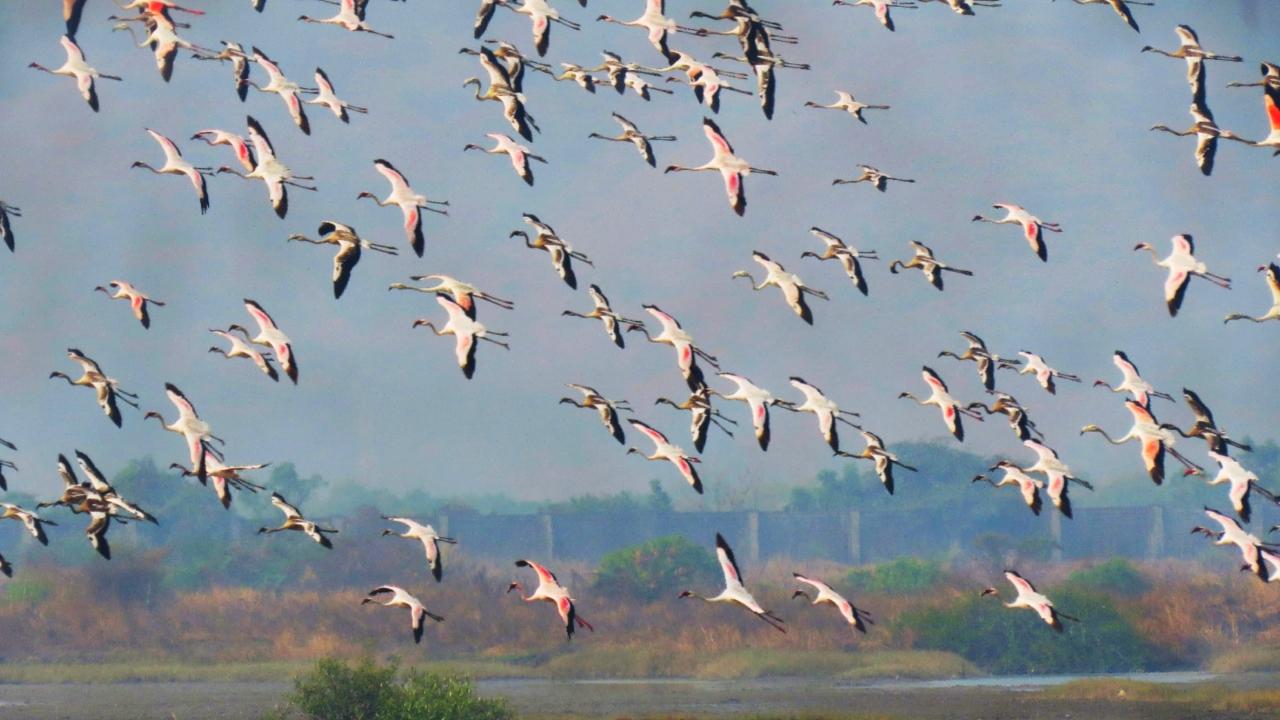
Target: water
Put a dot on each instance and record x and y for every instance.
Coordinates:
(955, 699)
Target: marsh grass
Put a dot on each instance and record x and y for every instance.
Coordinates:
(599, 663)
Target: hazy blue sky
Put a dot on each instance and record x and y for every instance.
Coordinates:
(1042, 104)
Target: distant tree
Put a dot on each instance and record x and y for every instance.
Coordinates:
(659, 500)
(654, 569)
(286, 481)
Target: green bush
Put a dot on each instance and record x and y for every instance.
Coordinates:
(429, 696)
(657, 568)
(1008, 641)
(27, 591)
(1116, 576)
(900, 577)
(366, 690)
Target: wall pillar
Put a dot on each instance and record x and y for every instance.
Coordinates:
(1155, 536)
(855, 537)
(549, 537)
(1055, 533)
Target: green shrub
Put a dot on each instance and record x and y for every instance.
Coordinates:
(429, 696)
(334, 690)
(900, 577)
(1008, 641)
(1116, 576)
(27, 591)
(657, 568)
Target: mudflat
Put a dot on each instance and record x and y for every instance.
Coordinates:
(600, 700)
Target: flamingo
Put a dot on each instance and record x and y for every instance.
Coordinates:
(857, 618)
(270, 335)
(1058, 474)
(965, 7)
(1132, 382)
(224, 477)
(664, 450)
(655, 22)
(1009, 406)
(429, 538)
(33, 522)
(163, 39)
(549, 241)
(845, 102)
(275, 174)
(138, 300)
(734, 591)
(243, 152)
(1190, 51)
(1045, 375)
(884, 460)
(823, 408)
(1241, 481)
(107, 389)
(541, 14)
(605, 314)
(349, 244)
(792, 287)
(632, 134)
(6, 230)
(674, 335)
(241, 347)
(1270, 84)
(1182, 266)
(848, 256)
(348, 18)
(196, 432)
(464, 294)
(409, 202)
(519, 154)
(757, 399)
(399, 597)
(941, 398)
(881, 8)
(1272, 271)
(550, 590)
(175, 165)
(1232, 534)
(1032, 227)
(1205, 427)
(465, 332)
(76, 67)
(233, 52)
(1206, 131)
(984, 358)
(928, 265)
(1028, 486)
(328, 98)
(293, 520)
(879, 180)
(1120, 6)
(703, 79)
(284, 87)
(606, 408)
(702, 415)
(1029, 598)
(732, 168)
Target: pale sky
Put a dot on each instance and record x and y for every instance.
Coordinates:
(1041, 104)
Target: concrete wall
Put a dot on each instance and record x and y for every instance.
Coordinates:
(848, 537)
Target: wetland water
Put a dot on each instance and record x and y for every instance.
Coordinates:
(989, 698)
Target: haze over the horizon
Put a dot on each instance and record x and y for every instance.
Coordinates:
(1041, 104)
